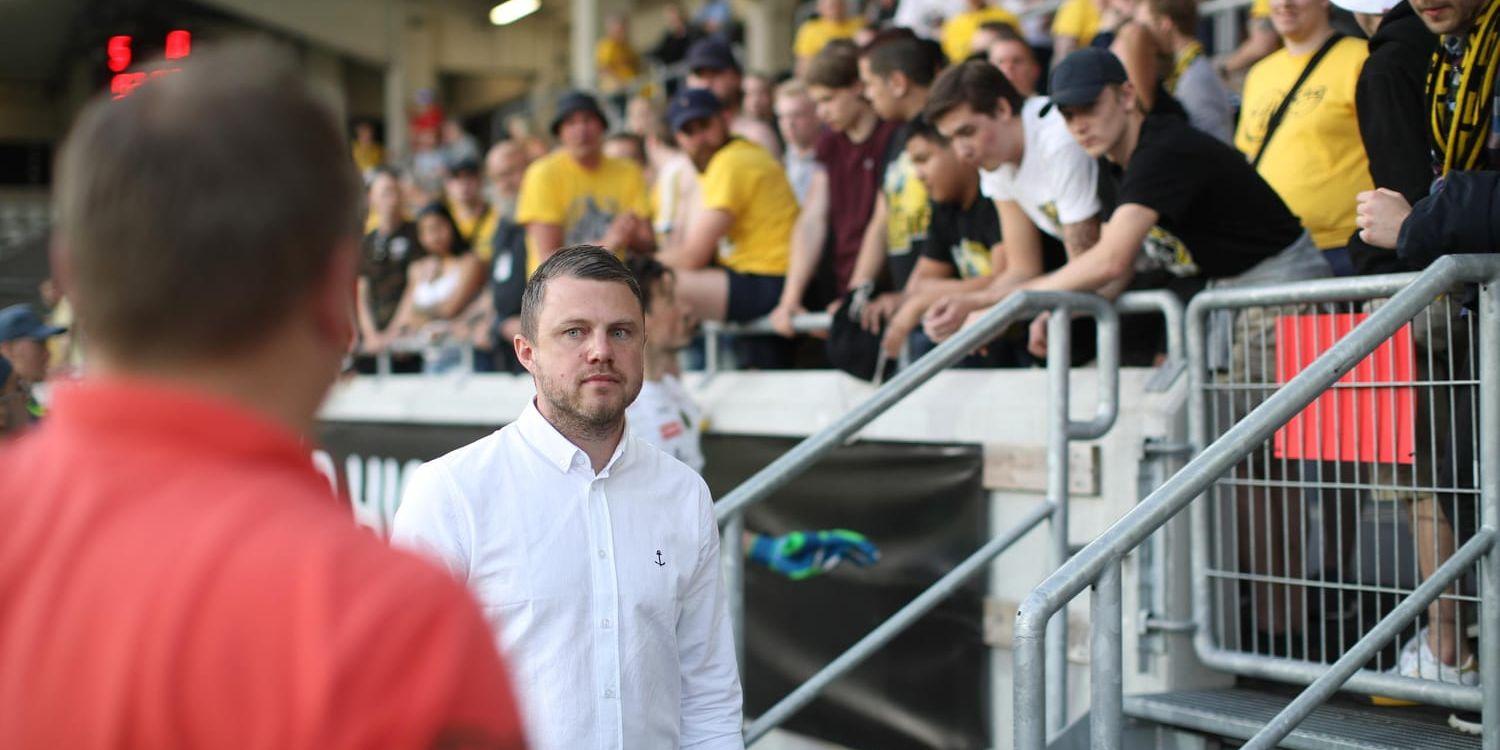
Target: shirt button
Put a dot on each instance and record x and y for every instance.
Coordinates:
(609, 693)
(605, 623)
(601, 554)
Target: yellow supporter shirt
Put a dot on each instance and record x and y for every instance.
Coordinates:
(558, 190)
(908, 212)
(1078, 19)
(1316, 161)
(367, 156)
(1260, 9)
(617, 62)
(746, 182)
(958, 31)
(815, 33)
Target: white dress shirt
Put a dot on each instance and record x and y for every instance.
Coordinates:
(603, 589)
(665, 416)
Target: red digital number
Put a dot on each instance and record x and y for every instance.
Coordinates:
(119, 53)
(179, 44)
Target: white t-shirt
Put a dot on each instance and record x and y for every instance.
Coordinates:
(666, 417)
(1056, 182)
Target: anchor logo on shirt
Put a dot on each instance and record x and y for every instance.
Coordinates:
(658, 558)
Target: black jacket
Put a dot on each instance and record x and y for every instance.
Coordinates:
(1390, 101)
(1463, 216)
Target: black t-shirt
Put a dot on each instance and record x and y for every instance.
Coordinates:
(962, 237)
(383, 262)
(1217, 217)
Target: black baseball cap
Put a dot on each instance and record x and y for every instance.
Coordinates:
(711, 53)
(1079, 78)
(576, 101)
(467, 165)
(692, 104)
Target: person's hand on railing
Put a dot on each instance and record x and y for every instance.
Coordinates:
(899, 330)
(947, 315)
(878, 310)
(804, 554)
(1379, 215)
(781, 318)
(1036, 342)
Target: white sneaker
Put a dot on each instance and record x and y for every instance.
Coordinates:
(1417, 660)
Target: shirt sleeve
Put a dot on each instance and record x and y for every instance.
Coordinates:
(711, 698)
(1075, 180)
(717, 189)
(540, 201)
(433, 521)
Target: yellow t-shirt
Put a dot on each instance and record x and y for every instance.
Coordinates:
(1078, 19)
(1316, 161)
(482, 241)
(748, 183)
(1260, 9)
(367, 156)
(617, 63)
(958, 31)
(908, 212)
(558, 190)
(815, 33)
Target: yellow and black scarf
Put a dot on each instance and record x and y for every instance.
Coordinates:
(1180, 65)
(1466, 81)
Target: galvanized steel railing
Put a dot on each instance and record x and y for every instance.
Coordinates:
(1098, 564)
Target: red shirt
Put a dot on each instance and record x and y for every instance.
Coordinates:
(854, 172)
(174, 573)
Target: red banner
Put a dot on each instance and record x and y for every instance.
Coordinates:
(1369, 415)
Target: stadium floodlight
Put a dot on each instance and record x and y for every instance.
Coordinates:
(511, 11)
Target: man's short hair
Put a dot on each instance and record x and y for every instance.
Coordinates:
(899, 50)
(590, 262)
(198, 210)
(648, 272)
(976, 83)
(792, 87)
(835, 67)
(921, 127)
(1182, 13)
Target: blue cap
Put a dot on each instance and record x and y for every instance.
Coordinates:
(1079, 78)
(576, 101)
(692, 104)
(711, 53)
(22, 322)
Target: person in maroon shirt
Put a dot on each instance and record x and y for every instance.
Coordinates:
(841, 196)
(174, 573)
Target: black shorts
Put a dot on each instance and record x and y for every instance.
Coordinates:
(751, 295)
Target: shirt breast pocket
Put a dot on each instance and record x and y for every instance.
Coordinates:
(654, 589)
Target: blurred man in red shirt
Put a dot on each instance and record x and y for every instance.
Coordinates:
(173, 572)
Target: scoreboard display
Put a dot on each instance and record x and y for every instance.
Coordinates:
(126, 55)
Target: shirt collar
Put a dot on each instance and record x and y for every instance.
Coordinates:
(156, 413)
(560, 452)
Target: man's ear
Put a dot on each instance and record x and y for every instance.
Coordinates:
(525, 352)
(899, 83)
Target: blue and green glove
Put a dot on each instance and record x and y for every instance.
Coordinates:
(804, 554)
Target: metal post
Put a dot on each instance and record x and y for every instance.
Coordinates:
(711, 348)
(1489, 496)
(732, 557)
(1059, 360)
(1106, 664)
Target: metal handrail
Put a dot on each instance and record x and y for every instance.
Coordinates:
(1105, 552)
(730, 510)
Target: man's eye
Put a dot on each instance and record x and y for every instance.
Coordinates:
(573, 333)
(622, 334)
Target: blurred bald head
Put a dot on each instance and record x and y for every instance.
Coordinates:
(505, 165)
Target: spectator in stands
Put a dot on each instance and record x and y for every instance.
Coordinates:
(224, 597)
(619, 645)
(850, 153)
(464, 198)
(1260, 40)
(665, 416)
(494, 319)
(759, 102)
(1043, 184)
(1389, 99)
(23, 341)
(641, 115)
(797, 119)
(629, 147)
(428, 165)
(711, 65)
(65, 349)
(675, 189)
(959, 30)
(440, 286)
(1188, 205)
(832, 22)
(13, 416)
(518, 129)
(677, 37)
(716, 19)
(616, 61)
(732, 263)
(1136, 47)
(1011, 53)
(576, 193)
(457, 145)
(386, 254)
(368, 153)
(1074, 26)
(1312, 153)
(962, 250)
(925, 17)
(1190, 78)
(897, 69)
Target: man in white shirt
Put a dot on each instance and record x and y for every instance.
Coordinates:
(1042, 182)
(593, 553)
